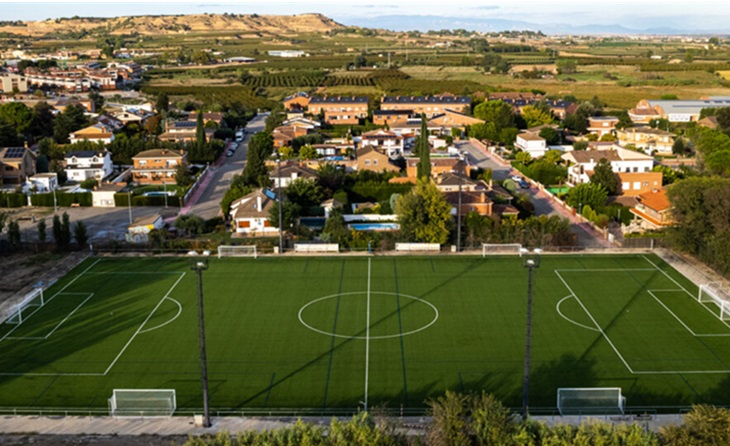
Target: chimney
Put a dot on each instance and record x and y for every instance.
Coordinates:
(258, 203)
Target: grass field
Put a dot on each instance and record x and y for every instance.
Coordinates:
(332, 333)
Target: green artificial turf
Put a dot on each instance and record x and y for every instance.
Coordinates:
(435, 323)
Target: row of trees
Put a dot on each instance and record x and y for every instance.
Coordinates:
(481, 419)
(61, 231)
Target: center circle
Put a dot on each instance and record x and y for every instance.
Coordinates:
(370, 294)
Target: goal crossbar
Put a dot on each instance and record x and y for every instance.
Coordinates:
(237, 251)
(18, 314)
(713, 292)
(142, 402)
(590, 400)
(501, 248)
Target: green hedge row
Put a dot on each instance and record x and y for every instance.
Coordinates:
(63, 199)
(12, 200)
(122, 200)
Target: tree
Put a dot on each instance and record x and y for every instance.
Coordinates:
(308, 152)
(260, 147)
(41, 164)
(61, 231)
(424, 151)
(580, 145)
(335, 230)
(551, 136)
(424, 214)
(305, 193)
(678, 148)
(566, 66)
(42, 230)
(291, 212)
(190, 224)
(535, 116)
(590, 194)
(162, 105)
(200, 134)
(360, 61)
(97, 100)
(496, 112)
(81, 234)
(71, 119)
(18, 116)
(603, 175)
(182, 175)
(14, 233)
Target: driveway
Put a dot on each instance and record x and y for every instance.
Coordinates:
(206, 202)
(587, 237)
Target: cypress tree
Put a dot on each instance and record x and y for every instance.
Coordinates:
(424, 152)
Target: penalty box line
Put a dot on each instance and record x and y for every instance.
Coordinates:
(129, 342)
(615, 349)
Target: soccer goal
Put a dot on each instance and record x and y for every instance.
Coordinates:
(142, 403)
(29, 305)
(237, 251)
(713, 292)
(590, 400)
(501, 248)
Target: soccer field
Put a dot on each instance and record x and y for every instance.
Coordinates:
(332, 333)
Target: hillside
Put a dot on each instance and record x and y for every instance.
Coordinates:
(175, 24)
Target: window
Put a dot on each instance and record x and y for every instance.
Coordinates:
(646, 184)
(637, 185)
(142, 162)
(636, 169)
(375, 162)
(367, 162)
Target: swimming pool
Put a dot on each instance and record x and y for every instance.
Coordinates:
(159, 194)
(375, 226)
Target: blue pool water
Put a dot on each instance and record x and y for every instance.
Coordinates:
(158, 194)
(375, 226)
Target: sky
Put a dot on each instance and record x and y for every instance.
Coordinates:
(702, 16)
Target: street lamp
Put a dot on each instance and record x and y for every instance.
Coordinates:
(281, 216)
(164, 184)
(458, 208)
(531, 261)
(200, 264)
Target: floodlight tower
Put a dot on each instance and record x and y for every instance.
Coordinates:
(200, 264)
(531, 261)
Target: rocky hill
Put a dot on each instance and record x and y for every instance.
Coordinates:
(177, 24)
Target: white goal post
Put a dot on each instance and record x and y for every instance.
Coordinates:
(590, 400)
(142, 403)
(713, 292)
(237, 251)
(501, 248)
(422, 247)
(19, 312)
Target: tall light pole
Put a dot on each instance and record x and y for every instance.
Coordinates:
(281, 216)
(164, 184)
(200, 264)
(458, 208)
(531, 262)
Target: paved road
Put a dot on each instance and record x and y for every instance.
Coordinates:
(208, 204)
(543, 204)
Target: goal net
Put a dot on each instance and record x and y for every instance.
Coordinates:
(501, 248)
(590, 400)
(142, 402)
(29, 305)
(713, 292)
(237, 251)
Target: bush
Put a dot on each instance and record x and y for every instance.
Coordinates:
(12, 200)
(63, 199)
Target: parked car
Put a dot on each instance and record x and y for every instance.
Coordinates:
(524, 184)
(229, 153)
(516, 178)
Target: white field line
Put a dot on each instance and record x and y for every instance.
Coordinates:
(557, 308)
(69, 315)
(179, 311)
(604, 270)
(143, 323)
(367, 342)
(594, 322)
(680, 320)
(683, 289)
(51, 298)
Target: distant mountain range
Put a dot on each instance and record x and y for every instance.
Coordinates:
(425, 23)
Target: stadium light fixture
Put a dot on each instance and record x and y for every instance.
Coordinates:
(200, 264)
(531, 261)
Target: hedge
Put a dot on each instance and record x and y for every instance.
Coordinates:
(12, 200)
(122, 200)
(63, 199)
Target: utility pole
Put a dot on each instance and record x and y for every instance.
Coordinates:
(531, 262)
(199, 265)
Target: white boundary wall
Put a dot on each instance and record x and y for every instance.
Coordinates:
(316, 247)
(430, 247)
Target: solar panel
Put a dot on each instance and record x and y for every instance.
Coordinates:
(269, 194)
(14, 152)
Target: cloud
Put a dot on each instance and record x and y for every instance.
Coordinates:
(486, 7)
(375, 6)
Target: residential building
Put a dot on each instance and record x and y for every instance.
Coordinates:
(340, 110)
(531, 143)
(450, 119)
(290, 172)
(623, 161)
(96, 133)
(512, 97)
(284, 135)
(250, 213)
(389, 142)
(562, 109)
(103, 195)
(208, 117)
(139, 230)
(302, 123)
(476, 201)
(602, 125)
(369, 158)
(11, 82)
(81, 165)
(16, 165)
(439, 166)
(297, 101)
(287, 53)
(637, 183)
(428, 105)
(132, 116)
(643, 115)
(676, 110)
(451, 182)
(44, 182)
(653, 210)
(391, 118)
(710, 122)
(183, 132)
(111, 122)
(156, 166)
(646, 138)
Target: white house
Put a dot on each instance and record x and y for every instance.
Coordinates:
(647, 138)
(533, 144)
(82, 165)
(103, 196)
(583, 162)
(98, 132)
(291, 172)
(389, 142)
(44, 182)
(250, 213)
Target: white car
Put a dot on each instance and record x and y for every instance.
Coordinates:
(516, 178)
